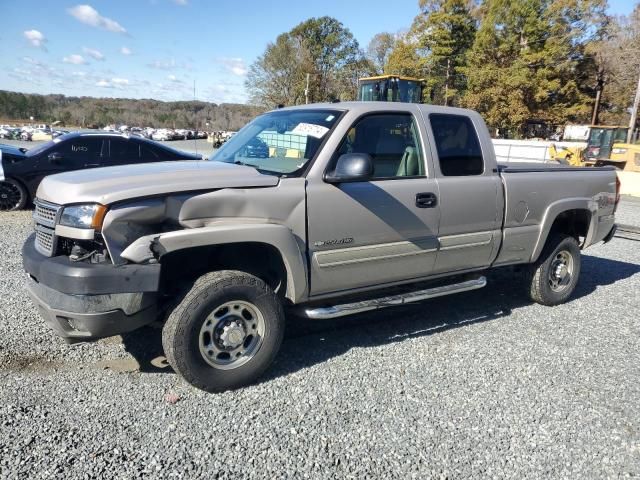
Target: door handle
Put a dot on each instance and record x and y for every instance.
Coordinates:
(426, 200)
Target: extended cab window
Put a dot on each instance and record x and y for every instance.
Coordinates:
(458, 146)
(391, 139)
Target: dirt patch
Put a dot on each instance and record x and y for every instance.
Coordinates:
(29, 364)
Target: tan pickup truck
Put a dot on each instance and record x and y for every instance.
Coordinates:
(328, 209)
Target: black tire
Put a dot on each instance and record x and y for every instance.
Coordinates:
(545, 280)
(183, 337)
(13, 196)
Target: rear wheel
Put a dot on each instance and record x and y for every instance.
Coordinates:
(553, 278)
(13, 196)
(225, 331)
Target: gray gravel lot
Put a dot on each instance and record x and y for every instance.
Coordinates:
(478, 385)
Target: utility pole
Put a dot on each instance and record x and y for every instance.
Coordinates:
(446, 84)
(596, 106)
(634, 113)
(306, 91)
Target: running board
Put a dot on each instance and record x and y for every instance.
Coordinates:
(335, 311)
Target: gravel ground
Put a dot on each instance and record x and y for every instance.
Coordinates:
(480, 385)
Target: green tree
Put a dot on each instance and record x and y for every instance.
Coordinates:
(524, 60)
(445, 31)
(320, 49)
(404, 59)
(276, 77)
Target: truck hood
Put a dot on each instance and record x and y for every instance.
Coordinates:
(113, 184)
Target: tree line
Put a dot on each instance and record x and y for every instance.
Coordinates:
(516, 62)
(98, 112)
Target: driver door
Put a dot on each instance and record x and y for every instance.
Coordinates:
(380, 231)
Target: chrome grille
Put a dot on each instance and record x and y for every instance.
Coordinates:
(45, 216)
(45, 213)
(45, 240)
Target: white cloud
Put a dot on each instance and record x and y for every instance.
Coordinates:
(95, 54)
(125, 51)
(237, 66)
(90, 16)
(225, 93)
(103, 84)
(32, 61)
(174, 79)
(79, 74)
(163, 64)
(120, 81)
(35, 38)
(180, 2)
(75, 59)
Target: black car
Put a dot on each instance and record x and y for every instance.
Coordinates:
(256, 148)
(22, 170)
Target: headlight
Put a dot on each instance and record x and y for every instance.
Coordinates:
(83, 216)
(619, 151)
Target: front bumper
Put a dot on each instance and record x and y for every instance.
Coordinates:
(83, 301)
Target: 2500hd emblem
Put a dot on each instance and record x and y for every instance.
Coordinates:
(336, 241)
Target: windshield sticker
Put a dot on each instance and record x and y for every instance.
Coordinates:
(329, 118)
(316, 131)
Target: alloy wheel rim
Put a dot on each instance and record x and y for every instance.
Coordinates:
(561, 271)
(231, 335)
(10, 196)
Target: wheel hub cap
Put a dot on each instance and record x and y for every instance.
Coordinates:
(561, 271)
(232, 335)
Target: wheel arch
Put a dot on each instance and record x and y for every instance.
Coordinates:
(260, 249)
(575, 217)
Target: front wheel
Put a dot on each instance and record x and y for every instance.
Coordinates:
(553, 278)
(13, 196)
(225, 331)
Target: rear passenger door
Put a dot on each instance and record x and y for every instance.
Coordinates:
(471, 200)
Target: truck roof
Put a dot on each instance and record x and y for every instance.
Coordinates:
(367, 107)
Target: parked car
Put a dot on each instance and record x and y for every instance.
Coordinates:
(21, 170)
(162, 135)
(368, 205)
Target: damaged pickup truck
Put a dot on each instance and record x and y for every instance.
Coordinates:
(327, 209)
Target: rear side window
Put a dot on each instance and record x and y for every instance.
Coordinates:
(124, 151)
(458, 146)
(148, 154)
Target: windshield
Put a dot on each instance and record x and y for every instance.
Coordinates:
(279, 142)
(41, 148)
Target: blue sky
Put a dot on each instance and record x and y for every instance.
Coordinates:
(158, 48)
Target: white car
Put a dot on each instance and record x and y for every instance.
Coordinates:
(162, 135)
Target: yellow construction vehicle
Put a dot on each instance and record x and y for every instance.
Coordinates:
(390, 88)
(601, 142)
(626, 156)
(605, 145)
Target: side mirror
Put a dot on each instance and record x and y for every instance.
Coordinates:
(55, 157)
(351, 167)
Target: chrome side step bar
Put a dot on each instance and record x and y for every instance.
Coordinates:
(335, 311)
